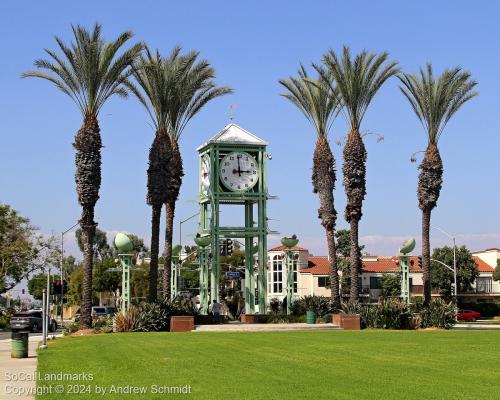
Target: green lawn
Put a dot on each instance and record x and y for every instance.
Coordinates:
(285, 365)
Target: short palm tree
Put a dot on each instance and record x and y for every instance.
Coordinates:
(318, 101)
(357, 81)
(190, 92)
(89, 71)
(155, 78)
(434, 101)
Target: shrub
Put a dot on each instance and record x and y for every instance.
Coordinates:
(319, 304)
(438, 314)
(152, 318)
(181, 306)
(70, 328)
(4, 321)
(275, 305)
(279, 317)
(103, 325)
(387, 314)
(125, 322)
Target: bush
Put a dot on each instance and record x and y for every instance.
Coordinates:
(125, 322)
(279, 317)
(438, 314)
(152, 318)
(70, 328)
(275, 305)
(181, 306)
(103, 325)
(4, 321)
(387, 314)
(319, 304)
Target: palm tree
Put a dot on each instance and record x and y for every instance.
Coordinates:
(189, 93)
(89, 71)
(155, 78)
(320, 105)
(434, 101)
(358, 79)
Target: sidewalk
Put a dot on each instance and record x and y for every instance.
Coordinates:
(477, 326)
(17, 376)
(240, 327)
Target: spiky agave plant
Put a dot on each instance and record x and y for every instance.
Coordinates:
(89, 71)
(318, 101)
(434, 101)
(191, 91)
(358, 79)
(155, 79)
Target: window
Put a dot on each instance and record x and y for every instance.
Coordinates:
(323, 281)
(484, 285)
(294, 269)
(277, 274)
(375, 282)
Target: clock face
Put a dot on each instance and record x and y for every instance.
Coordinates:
(239, 171)
(205, 174)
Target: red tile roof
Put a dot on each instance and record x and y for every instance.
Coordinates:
(282, 248)
(482, 266)
(320, 265)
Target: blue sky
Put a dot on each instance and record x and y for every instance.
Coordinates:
(252, 45)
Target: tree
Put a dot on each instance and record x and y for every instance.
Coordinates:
(496, 274)
(89, 71)
(101, 247)
(36, 284)
(391, 285)
(343, 237)
(318, 101)
(442, 278)
(22, 249)
(155, 79)
(434, 101)
(190, 92)
(357, 81)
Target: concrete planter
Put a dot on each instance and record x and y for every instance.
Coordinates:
(347, 321)
(252, 318)
(181, 324)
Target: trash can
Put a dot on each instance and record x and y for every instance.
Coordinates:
(19, 344)
(310, 317)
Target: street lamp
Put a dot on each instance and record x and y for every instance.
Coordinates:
(62, 270)
(454, 261)
(180, 230)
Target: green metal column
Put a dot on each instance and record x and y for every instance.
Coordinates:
(126, 264)
(174, 273)
(215, 272)
(249, 277)
(289, 281)
(262, 221)
(203, 258)
(405, 278)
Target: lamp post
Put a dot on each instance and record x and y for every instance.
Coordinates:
(455, 290)
(62, 270)
(289, 243)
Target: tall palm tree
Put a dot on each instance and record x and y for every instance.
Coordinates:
(318, 101)
(358, 79)
(155, 78)
(191, 91)
(89, 71)
(434, 101)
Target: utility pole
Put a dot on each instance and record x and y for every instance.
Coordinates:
(62, 271)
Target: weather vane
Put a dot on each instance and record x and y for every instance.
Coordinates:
(232, 109)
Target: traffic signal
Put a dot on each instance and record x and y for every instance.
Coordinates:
(229, 247)
(222, 248)
(420, 262)
(59, 287)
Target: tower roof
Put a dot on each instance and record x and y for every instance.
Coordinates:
(234, 134)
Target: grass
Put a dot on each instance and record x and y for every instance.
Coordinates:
(336, 365)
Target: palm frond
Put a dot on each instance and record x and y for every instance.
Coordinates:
(89, 70)
(436, 100)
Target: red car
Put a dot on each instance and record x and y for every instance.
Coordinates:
(468, 315)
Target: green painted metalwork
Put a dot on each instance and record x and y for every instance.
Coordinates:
(174, 276)
(126, 265)
(289, 243)
(209, 223)
(404, 265)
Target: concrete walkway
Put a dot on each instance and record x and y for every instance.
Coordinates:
(239, 327)
(477, 326)
(17, 375)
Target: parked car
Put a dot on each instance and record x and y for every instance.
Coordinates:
(468, 315)
(110, 311)
(98, 311)
(30, 320)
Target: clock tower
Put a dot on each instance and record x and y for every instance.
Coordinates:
(233, 173)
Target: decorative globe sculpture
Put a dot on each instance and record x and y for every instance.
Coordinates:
(123, 243)
(290, 241)
(202, 241)
(407, 246)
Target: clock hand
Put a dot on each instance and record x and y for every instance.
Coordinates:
(239, 169)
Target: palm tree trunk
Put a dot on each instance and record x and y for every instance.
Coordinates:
(169, 229)
(355, 261)
(426, 254)
(88, 181)
(334, 275)
(155, 244)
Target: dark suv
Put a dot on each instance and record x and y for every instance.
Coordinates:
(30, 320)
